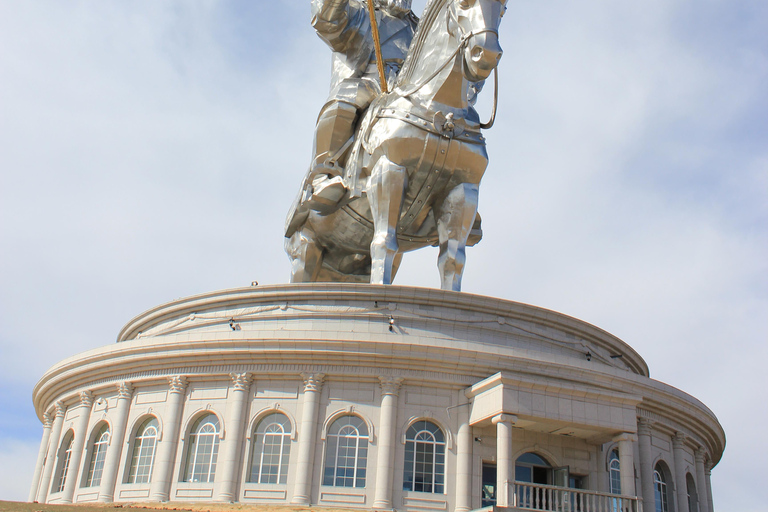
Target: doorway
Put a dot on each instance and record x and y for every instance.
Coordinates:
(488, 491)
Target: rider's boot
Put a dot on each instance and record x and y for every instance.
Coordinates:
(335, 129)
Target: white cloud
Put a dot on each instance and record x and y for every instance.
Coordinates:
(150, 151)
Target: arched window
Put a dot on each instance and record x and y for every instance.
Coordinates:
(424, 458)
(98, 456)
(693, 497)
(203, 450)
(65, 454)
(661, 489)
(144, 444)
(346, 453)
(614, 472)
(271, 450)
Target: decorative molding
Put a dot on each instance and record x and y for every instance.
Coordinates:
(678, 440)
(504, 418)
(241, 381)
(124, 390)
(177, 383)
(390, 385)
(86, 399)
(644, 426)
(625, 436)
(313, 382)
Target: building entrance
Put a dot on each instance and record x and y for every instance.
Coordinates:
(488, 492)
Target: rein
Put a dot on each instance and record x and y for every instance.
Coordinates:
(462, 45)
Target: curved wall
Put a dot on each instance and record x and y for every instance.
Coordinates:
(488, 379)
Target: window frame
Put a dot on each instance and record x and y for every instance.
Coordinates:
(98, 456)
(139, 444)
(212, 424)
(418, 435)
(63, 458)
(259, 437)
(358, 433)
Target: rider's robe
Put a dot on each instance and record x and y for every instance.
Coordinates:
(345, 27)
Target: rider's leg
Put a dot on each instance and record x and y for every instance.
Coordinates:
(455, 217)
(335, 126)
(306, 256)
(385, 195)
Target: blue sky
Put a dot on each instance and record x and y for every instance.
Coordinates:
(150, 150)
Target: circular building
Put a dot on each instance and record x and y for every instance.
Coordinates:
(376, 397)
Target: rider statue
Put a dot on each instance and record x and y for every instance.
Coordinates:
(345, 26)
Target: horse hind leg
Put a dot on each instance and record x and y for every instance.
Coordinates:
(306, 256)
(454, 223)
(385, 196)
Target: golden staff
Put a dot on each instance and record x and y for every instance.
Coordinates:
(377, 44)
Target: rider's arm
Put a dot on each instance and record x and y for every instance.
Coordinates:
(332, 20)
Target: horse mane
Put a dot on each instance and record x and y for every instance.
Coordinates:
(431, 11)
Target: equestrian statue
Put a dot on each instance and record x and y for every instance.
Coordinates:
(398, 153)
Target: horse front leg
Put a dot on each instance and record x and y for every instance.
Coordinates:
(385, 195)
(455, 217)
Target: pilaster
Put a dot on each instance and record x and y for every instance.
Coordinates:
(116, 442)
(47, 424)
(464, 472)
(505, 466)
(232, 448)
(644, 428)
(627, 462)
(53, 448)
(166, 449)
(390, 389)
(701, 480)
(678, 451)
(78, 444)
(313, 385)
(708, 475)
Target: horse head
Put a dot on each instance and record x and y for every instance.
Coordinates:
(476, 23)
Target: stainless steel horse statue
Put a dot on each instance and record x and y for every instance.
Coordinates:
(412, 175)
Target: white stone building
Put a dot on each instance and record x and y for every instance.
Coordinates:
(379, 397)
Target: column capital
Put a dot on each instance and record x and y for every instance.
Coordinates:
(47, 420)
(504, 418)
(678, 439)
(625, 436)
(390, 385)
(700, 455)
(177, 383)
(241, 381)
(644, 426)
(61, 410)
(86, 398)
(124, 390)
(313, 382)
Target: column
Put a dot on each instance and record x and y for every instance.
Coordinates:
(78, 444)
(53, 449)
(464, 443)
(232, 448)
(627, 463)
(47, 423)
(390, 387)
(313, 385)
(166, 448)
(505, 466)
(678, 452)
(701, 480)
(708, 475)
(116, 442)
(644, 427)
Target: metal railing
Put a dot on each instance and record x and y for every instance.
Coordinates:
(550, 498)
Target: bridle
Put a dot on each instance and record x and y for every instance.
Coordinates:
(463, 42)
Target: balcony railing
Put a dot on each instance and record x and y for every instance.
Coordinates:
(527, 496)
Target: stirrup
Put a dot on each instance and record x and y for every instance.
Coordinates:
(328, 192)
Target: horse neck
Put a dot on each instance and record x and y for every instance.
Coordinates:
(447, 91)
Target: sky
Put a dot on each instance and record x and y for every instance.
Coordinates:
(150, 151)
